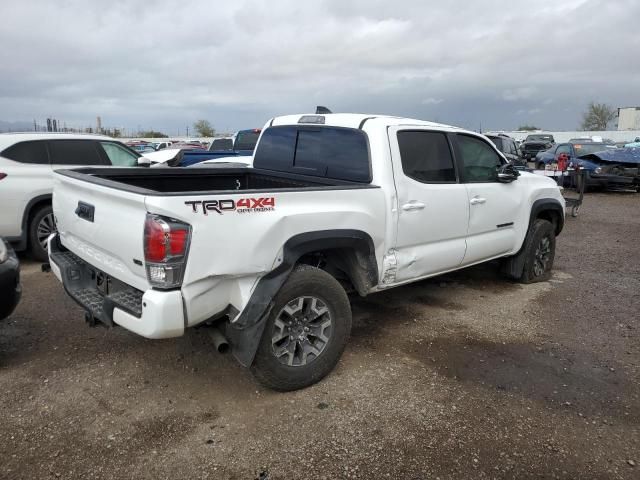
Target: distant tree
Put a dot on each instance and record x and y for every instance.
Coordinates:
(204, 128)
(597, 117)
(527, 128)
(152, 134)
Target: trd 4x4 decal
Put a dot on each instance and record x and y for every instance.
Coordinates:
(243, 205)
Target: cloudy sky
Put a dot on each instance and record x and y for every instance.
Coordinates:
(164, 64)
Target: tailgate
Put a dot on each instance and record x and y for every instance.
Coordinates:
(103, 226)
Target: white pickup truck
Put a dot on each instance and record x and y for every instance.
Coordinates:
(266, 255)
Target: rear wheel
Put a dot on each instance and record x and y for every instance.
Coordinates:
(540, 250)
(41, 226)
(306, 332)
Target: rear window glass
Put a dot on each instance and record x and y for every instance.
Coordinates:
(28, 152)
(222, 144)
(332, 152)
(75, 152)
(247, 140)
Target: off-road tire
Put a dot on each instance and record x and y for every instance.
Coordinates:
(541, 233)
(36, 250)
(304, 281)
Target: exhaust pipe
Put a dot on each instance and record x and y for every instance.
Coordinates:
(219, 340)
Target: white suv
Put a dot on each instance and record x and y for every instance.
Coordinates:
(27, 162)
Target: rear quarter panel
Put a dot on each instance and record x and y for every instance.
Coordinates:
(23, 183)
(232, 250)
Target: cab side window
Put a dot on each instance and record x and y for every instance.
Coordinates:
(479, 161)
(426, 156)
(563, 149)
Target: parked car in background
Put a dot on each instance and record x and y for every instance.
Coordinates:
(27, 162)
(536, 143)
(243, 144)
(10, 289)
(143, 148)
(160, 145)
(634, 144)
(605, 167)
(508, 147)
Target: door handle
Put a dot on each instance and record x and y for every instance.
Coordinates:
(477, 200)
(407, 207)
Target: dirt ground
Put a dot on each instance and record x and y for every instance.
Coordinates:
(462, 376)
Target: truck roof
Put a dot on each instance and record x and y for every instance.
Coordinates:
(356, 120)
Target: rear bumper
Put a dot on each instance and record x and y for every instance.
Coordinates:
(152, 314)
(608, 180)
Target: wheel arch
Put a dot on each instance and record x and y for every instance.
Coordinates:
(547, 209)
(21, 242)
(352, 250)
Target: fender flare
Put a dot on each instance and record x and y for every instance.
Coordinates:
(245, 333)
(545, 204)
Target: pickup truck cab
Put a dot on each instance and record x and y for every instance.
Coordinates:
(333, 204)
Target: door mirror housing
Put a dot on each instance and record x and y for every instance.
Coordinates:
(507, 173)
(144, 162)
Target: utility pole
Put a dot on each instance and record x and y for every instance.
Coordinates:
(187, 131)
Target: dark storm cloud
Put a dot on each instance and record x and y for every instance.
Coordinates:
(164, 64)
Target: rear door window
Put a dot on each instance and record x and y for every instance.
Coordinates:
(76, 152)
(426, 156)
(332, 152)
(34, 152)
(119, 155)
(479, 160)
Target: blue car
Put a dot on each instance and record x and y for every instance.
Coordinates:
(243, 144)
(605, 167)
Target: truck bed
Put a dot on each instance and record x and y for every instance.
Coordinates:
(177, 181)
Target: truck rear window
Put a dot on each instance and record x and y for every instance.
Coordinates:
(247, 140)
(330, 152)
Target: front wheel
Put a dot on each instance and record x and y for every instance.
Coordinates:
(539, 252)
(306, 331)
(41, 226)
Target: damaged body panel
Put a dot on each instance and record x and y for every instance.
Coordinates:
(613, 168)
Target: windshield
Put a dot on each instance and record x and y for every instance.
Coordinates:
(588, 148)
(539, 138)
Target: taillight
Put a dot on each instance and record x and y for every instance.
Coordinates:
(166, 244)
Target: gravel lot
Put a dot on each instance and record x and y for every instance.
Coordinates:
(462, 376)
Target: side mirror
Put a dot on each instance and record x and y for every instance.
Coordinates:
(144, 162)
(507, 173)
